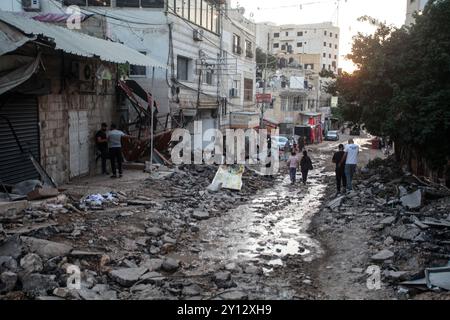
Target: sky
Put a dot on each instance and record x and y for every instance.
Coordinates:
(314, 11)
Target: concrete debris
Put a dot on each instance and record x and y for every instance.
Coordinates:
(46, 249)
(170, 265)
(335, 203)
(200, 215)
(128, 276)
(412, 200)
(405, 232)
(8, 281)
(234, 295)
(31, 263)
(38, 284)
(383, 255)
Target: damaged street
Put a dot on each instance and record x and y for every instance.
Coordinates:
(241, 154)
(164, 235)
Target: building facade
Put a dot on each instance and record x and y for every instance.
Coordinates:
(412, 7)
(239, 72)
(320, 38)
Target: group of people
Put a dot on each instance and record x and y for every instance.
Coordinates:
(346, 159)
(305, 164)
(109, 144)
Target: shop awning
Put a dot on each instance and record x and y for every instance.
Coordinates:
(74, 42)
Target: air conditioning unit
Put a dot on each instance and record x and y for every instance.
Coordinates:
(234, 92)
(31, 5)
(83, 71)
(198, 35)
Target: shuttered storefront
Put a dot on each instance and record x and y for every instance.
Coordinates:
(22, 111)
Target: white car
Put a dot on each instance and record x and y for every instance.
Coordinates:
(280, 141)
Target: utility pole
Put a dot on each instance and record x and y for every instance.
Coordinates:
(222, 12)
(265, 79)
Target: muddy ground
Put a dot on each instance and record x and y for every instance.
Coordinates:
(167, 237)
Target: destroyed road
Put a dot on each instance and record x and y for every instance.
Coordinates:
(165, 236)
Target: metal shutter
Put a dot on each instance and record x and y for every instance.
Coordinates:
(22, 111)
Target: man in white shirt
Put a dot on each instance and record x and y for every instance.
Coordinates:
(351, 160)
(115, 149)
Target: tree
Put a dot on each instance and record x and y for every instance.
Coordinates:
(401, 87)
(324, 73)
(261, 62)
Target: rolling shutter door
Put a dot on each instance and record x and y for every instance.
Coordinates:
(22, 112)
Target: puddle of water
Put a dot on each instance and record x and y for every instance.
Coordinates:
(272, 226)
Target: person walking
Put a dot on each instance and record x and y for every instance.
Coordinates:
(351, 160)
(293, 163)
(287, 151)
(306, 165)
(301, 144)
(340, 171)
(101, 141)
(115, 149)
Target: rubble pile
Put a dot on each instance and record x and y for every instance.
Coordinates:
(408, 219)
(115, 245)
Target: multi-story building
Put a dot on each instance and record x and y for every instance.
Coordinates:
(320, 38)
(189, 37)
(412, 7)
(239, 72)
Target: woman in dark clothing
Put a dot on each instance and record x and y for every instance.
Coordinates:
(305, 165)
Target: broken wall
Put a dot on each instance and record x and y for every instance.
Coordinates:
(69, 94)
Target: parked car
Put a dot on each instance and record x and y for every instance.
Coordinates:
(281, 141)
(332, 136)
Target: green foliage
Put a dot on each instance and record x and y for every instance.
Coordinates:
(401, 87)
(261, 60)
(324, 73)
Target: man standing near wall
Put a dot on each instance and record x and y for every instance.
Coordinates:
(351, 160)
(101, 141)
(115, 150)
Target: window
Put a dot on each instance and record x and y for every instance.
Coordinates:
(336, 36)
(182, 68)
(335, 57)
(209, 77)
(331, 34)
(276, 35)
(248, 89)
(325, 33)
(329, 67)
(299, 44)
(324, 44)
(287, 33)
(237, 44)
(335, 46)
(276, 45)
(92, 3)
(329, 55)
(330, 45)
(324, 55)
(324, 66)
(152, 3)
(283, 47)
(248, 49)
(201, 12)
(139, 3)
(284, 104)
(297, 103)
(300, 34)
(138, 71)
